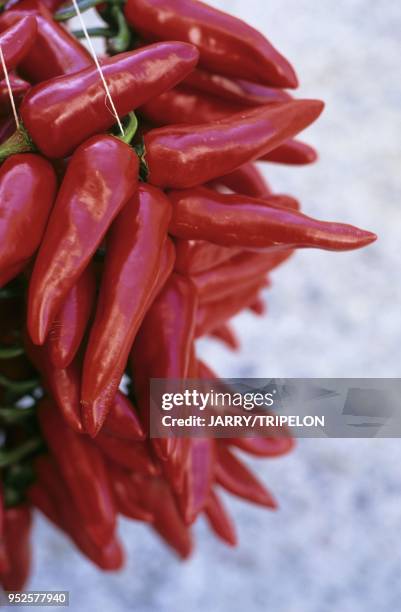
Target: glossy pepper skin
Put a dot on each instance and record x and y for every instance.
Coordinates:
(227, 45)
(83, 469)
(74, 105)
(122, 421)
(134, 251)
(100, 179)
(185, 155)
(54, 51)
(19, 88)
(247, 180)
(17, 531)
(196, 256)
(16, 41)
(27, 191)
(235, 90)
(235, 220)
(292, 153)
(69, 326)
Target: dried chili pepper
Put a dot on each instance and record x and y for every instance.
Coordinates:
(185, 155)
(134, 251)
(74, 104)
(219, 520)
(122, 420)
(227, 45)
(27, 190)
(235, 220)
(100, 179)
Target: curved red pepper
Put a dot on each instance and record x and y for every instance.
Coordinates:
(247, 180)
(219, 520)
(122, 420)
(226, 335)
(68, 329)
(264, 447)
(198, 478)
(83, 469)
(293, 153)
(17, 531)
(235, 220)
(74, 105)
(101, 177)
(16, 41)
(127, 454)
(186, 155)
(127, 489)
(235, 90)
(213, 314)
(242, 269)
(54, 51)
(196, 256)
(232, 474)
(27, 190)
(227, 45)
(19, 88)
(134, 251)
(258, 307)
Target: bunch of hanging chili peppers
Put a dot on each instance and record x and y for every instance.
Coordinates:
(118, 252)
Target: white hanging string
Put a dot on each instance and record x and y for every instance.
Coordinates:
(10, 91)
(93, 52)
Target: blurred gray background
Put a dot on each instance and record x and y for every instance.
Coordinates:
(335, 543)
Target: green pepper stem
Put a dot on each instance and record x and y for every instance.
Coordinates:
(68, 11)
(16, 454)
(11, 416)
(19, 142)
(11, 352)
(94, 33)
(19, 386)
(121, 41)
(129, 129)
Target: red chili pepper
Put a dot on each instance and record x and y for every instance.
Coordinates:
(219, 520)
(108, 555)
(227, 45)
(238, 90)
(162, 349)
(247, 180)
(83, 469)
(4, 564)
(258, 307)
(69, 326)
(188, 155)
(16, 41)
(236, 220)
(167, 520)
(232, 474)
(74, 105)
(265, 447)
(293, 153)
(198, 479)
(196, 256)
(27, 190)
(101, 177)
(213, 314)
(19, 88)
(54, 51)
(63, 383)
(226, 335)
(17, 531)
(122, 420)
(127, 454)
(134, 251)
(242, 269)
(127, 489)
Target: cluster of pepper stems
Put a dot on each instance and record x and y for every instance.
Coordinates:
(117, 252)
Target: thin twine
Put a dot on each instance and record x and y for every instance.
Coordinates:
(93, 52)
(10, 91)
